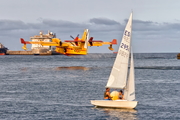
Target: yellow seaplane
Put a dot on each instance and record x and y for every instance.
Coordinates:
(78, 46)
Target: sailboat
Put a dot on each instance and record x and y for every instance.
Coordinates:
(121, 77)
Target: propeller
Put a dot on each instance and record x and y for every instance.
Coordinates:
(73, 37)
(60, 43)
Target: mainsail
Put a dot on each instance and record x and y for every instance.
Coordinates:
(118, 76)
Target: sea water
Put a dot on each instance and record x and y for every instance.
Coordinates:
(61, 87)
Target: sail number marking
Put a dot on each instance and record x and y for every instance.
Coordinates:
(127, 33)
(123, 54)
(124, 46)
(127, 36)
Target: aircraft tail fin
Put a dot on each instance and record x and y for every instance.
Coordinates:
(23, 42)
(85, 34)
(114, 41)
(86, 38)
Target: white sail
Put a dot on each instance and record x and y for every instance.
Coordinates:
(118, 76)
(130, 89)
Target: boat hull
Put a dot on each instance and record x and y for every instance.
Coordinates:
(114, 103)
(2, 54)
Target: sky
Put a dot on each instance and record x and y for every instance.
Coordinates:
(156, 23)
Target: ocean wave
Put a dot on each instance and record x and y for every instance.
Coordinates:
(136, 55)
(95, 56)
(160, 67)
(153, 58)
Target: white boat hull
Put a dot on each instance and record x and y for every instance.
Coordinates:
(114, 103)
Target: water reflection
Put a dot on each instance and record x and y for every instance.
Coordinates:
(24, 69)
(119, 114)
(72, 68)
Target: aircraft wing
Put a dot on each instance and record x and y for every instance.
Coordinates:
(94, 42)
(100, 43)
(55, 42)
(74, 41)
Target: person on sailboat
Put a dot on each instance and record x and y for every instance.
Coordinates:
(107, 94)
(121, 95)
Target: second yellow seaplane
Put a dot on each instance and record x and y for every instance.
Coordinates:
(78, 46)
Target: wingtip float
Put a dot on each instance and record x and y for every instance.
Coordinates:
(77, 46)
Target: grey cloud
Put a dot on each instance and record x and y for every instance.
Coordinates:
(103, 21)
(140, 25)
(141, 22)
(175, 26)
(100, 28)
(68, 26)
(61, 23)
(12, 25)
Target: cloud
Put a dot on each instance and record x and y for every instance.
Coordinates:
(103, 21)
(12, 25)
(100, 28)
